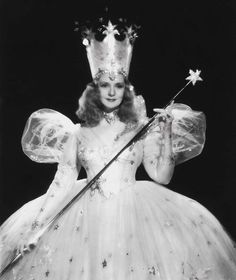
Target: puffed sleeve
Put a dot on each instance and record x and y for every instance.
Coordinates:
(187, 138)
(51, 137)
(188, 132)
(45, 135)
(44, 140)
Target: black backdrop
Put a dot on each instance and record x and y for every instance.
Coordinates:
(44, 65)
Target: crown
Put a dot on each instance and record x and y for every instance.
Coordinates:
(109, 55)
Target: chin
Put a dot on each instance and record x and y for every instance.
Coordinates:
(111, 107)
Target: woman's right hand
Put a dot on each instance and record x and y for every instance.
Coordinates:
(26, 244)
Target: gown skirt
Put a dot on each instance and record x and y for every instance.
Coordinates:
(145, 231)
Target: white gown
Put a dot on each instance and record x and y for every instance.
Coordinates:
(123, 229)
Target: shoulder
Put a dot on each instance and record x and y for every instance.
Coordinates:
(82, 132)
(77, 130)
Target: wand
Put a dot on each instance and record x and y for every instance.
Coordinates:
(192, 78)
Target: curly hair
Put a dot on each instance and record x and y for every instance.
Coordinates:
(91, 110)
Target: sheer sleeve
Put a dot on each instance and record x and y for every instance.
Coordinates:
(188, 132)
(59, 192)
(50, 137)
(59, 145)
(187, 139)
(45, 135)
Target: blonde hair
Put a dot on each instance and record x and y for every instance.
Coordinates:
(91, 109)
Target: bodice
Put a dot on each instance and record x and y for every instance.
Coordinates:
(98, 145)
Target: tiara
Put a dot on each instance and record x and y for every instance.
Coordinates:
(109, 55)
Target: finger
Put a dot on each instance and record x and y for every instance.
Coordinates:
(23, 249)
(170, 116)
(162, 119)
(158, 110)
(26, 249)
(19, 250)
(162, 112)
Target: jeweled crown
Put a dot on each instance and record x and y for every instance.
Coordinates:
(109, 55)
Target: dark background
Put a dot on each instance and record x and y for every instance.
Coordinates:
(44, 65)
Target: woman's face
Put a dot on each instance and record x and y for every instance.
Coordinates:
(111, 91)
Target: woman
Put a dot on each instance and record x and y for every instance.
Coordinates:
(121, 228)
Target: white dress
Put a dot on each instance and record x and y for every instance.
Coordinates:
(122, 229)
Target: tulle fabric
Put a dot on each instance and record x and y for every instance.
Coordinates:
(188, 132)
(47, 132)
(45, 135)
(140, 233)
(27, 224)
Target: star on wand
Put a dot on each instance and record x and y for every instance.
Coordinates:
(192, 78)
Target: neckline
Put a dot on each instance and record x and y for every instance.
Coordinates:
(111, 117)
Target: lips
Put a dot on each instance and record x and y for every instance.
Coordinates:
(110, 100)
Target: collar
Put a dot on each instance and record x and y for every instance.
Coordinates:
(111, 117)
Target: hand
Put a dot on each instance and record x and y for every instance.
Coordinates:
(26, 244)
(22, 247)
(164, 118)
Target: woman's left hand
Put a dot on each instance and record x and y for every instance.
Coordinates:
(164, 119)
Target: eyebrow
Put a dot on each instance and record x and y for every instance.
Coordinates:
(119, 83)
(108, 83)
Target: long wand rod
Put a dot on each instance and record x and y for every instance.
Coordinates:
(194, 76)
(16, 258)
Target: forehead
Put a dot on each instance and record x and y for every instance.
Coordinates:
(119, 78)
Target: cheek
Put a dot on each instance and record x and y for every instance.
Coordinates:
(121, 93)
(103, 92)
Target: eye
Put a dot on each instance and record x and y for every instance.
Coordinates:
(120, 85)
(104, 85)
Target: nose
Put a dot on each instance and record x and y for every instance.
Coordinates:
(112, 92)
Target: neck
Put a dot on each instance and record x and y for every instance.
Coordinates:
(110, 116)
(110, 110)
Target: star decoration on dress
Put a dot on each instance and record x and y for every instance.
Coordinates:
(194, 76)
(56, 227)
(34, 225)
(104, 263)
